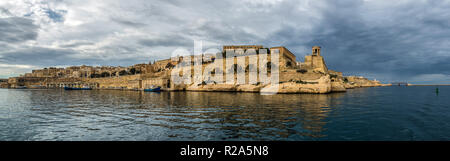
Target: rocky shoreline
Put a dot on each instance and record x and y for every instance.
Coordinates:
(322, 85)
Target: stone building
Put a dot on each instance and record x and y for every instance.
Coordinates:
(310, 76)
(287, 59)
(244, 47)
(4, 83)
(315, 61)
(30, 82)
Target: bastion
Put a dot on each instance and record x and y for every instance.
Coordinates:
(206, 72)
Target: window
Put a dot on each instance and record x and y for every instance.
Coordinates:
(288, 64)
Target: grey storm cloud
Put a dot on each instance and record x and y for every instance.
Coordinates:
(40, 56)
(17, 29)
(128, 23)
(409, 40)
(76, 44)
(383, 39)
(167, 40)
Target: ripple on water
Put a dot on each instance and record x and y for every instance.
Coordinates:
(389, 113)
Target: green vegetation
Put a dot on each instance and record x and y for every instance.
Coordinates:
(302, 82)
(123, 72)
(333, 76)
(170, 65)
(288, 64)
(133, 71)
(303, 71)
(105, 74)
(95, 75)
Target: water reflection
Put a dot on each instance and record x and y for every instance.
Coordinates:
(189, 115)
(393, 113)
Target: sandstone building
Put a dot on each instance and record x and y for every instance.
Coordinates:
(310, 76)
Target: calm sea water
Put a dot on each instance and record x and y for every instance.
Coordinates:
(380, 113)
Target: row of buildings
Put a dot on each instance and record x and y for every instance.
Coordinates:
(141, 76)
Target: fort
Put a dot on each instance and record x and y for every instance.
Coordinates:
(310, 76)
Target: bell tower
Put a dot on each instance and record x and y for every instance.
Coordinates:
(316, 50)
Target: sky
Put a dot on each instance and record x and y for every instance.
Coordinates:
(401, 40)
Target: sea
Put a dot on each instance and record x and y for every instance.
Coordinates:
(396, 113)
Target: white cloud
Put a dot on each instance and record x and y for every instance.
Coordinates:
(10, 70)
(20, 66)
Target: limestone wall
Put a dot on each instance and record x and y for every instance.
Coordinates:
(29, 82)
(161, 82)
(121, 82)
(315, 62)
(362, 82)
(287, 59)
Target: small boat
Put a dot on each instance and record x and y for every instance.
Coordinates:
(75, 88)
(153, 89)
(38, 86)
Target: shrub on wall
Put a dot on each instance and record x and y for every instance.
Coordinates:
(303, 71)
(123, 72)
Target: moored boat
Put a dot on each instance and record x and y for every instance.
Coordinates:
(75, 88)
(153, 89)
(38, 86)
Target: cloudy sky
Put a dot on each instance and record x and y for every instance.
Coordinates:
(401, 40)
